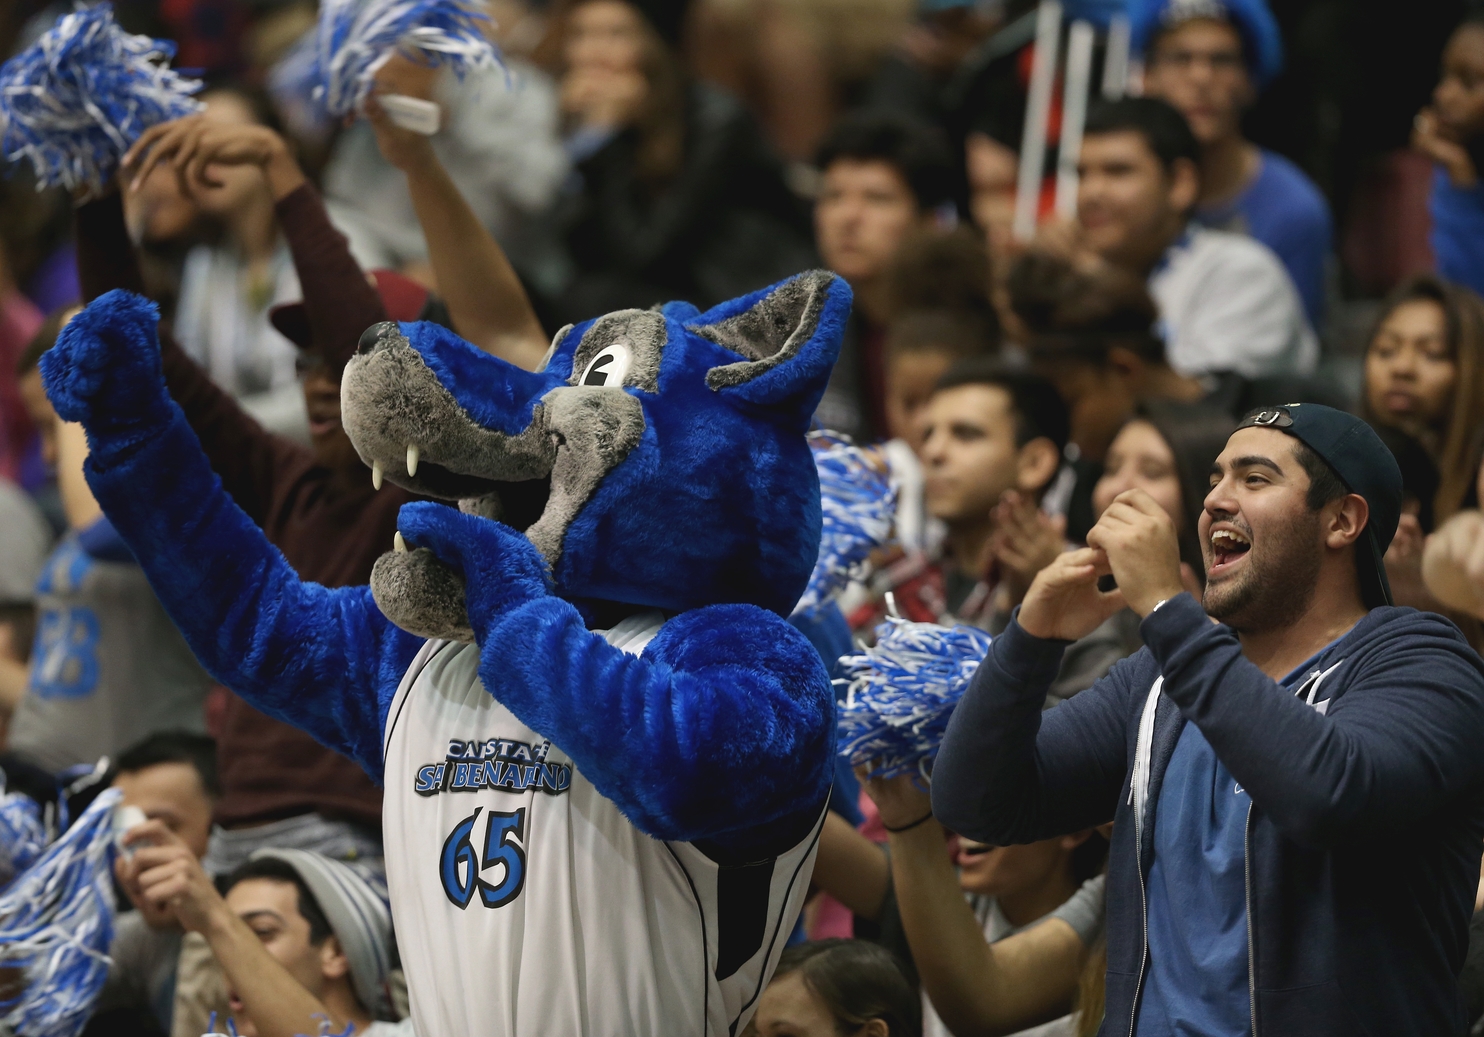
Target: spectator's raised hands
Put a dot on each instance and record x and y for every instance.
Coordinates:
(1431, 137)
(1404, 564)
(1064, 601)
(163, 878)
(1453, 563)
(406, 149)
(1026, 540)
(901, 801)
(191, 146)
(1138, 538)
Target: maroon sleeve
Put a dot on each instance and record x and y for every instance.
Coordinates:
(248, 459)
(339, 302)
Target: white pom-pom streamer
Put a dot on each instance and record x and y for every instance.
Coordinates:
(56, 924)
(354, 38)
(74, 101)
(857, 504)
(900, 693)
(22, 834)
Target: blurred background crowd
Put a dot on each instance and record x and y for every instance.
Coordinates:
(1278, 202)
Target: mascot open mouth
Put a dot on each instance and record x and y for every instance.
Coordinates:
(519, 504)
(525, 449)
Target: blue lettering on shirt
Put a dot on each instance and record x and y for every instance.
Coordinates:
(493, 763)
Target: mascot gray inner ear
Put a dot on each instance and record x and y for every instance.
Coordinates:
(771, 332)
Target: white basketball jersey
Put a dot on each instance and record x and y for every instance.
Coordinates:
(526, 905)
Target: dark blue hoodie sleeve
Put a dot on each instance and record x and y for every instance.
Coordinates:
(1402, 740)
(1009, 772)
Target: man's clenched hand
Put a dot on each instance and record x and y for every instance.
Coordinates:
(1138, 538)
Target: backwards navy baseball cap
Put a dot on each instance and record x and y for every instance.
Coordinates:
(1356, 454)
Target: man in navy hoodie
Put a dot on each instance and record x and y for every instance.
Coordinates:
(1297, 789)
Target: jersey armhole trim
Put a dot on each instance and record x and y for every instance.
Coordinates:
(778, 924)
(404, 690)
(705, 952)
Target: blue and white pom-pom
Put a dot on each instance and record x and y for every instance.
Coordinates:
(74, 101)
(354, 38)
(857, 504)
(900, 693)
(22, 833)
(293, 83)
(56, 924)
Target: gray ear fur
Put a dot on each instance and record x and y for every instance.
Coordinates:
(556, 340)
(771, 331)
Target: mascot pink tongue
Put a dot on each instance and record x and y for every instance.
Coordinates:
(606, 753)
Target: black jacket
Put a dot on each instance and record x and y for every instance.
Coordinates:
(725, 225)
(1367, 812)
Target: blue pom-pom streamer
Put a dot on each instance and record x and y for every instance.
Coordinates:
(74, 101)
(354, 38)
(293, 83)
(56, 924)
(900, 693)
(857, 505)
(22, 834)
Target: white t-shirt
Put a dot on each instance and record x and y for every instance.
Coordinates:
(525, 903)
(384, 1029)
(223, 325)
(1227, 304)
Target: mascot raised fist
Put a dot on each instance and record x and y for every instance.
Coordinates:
(606, 754)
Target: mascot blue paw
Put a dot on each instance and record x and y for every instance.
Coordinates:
(105, 368)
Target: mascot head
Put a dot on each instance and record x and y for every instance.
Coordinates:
(657, 459)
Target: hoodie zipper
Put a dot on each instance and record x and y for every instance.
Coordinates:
(1133, 1016)
(1251, 955)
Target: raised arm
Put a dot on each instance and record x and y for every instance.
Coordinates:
(722, 729)
(976, 987)
(339, 301)
(1400, 741)
(323, 660)
(241, 451)
(160, 873)
(1009, 773)
(485, 298)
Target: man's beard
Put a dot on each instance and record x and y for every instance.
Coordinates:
(1278, 584)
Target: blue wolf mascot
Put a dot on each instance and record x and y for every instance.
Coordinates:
(605, 752)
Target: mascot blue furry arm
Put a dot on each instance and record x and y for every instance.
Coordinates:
(592, 718)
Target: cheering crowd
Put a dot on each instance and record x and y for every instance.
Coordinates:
(1109, 439)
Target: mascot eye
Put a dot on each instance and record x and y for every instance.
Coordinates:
(608, 367)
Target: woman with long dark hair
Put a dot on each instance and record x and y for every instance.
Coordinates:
(1424, 376)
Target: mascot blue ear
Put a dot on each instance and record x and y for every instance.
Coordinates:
(683, 312)
(790, 336)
